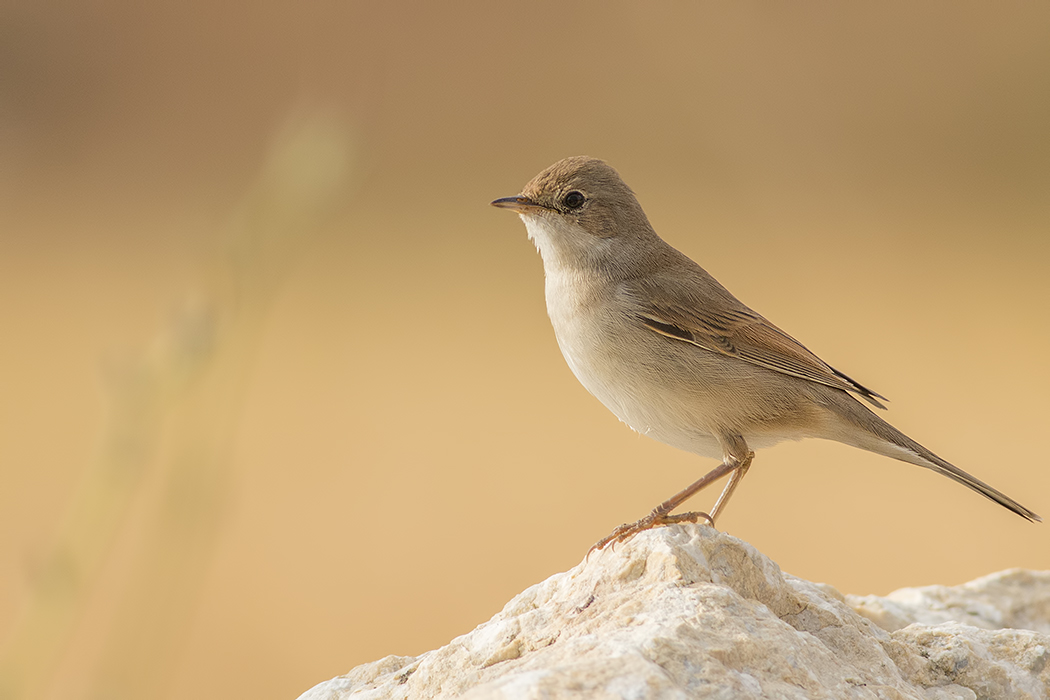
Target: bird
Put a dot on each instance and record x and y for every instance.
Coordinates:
(674, 355)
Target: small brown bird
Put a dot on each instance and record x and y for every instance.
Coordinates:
(677, 357)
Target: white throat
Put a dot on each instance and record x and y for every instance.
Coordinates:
(563, 244)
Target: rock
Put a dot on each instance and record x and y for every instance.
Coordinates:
(1014, 598)
(690, 612)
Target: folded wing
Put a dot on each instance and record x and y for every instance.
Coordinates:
(724, 325)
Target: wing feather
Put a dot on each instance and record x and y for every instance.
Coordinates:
(722, 324)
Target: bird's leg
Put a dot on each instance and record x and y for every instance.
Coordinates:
(661, 513)
(737, 459)
(734, 480)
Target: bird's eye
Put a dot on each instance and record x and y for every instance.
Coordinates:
(574, 200)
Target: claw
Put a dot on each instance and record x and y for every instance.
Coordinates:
(650, 521)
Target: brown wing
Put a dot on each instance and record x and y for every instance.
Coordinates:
(705, 314)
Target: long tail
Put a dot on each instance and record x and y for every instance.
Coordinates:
(882, 438)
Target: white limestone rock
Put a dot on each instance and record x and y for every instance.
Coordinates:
(689, 612)
(1014, 598)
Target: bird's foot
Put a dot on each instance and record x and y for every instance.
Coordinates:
(654, 519)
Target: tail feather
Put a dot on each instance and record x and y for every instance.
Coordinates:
(931, 461)
(887, 440)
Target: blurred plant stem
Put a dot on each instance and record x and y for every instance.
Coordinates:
(174, 414)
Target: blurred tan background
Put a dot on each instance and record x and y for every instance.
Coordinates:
(278, 393)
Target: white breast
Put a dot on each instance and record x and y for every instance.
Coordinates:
(600, 343)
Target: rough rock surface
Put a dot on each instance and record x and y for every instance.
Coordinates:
(689, 612)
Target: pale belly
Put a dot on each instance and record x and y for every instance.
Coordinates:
(667, 390)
